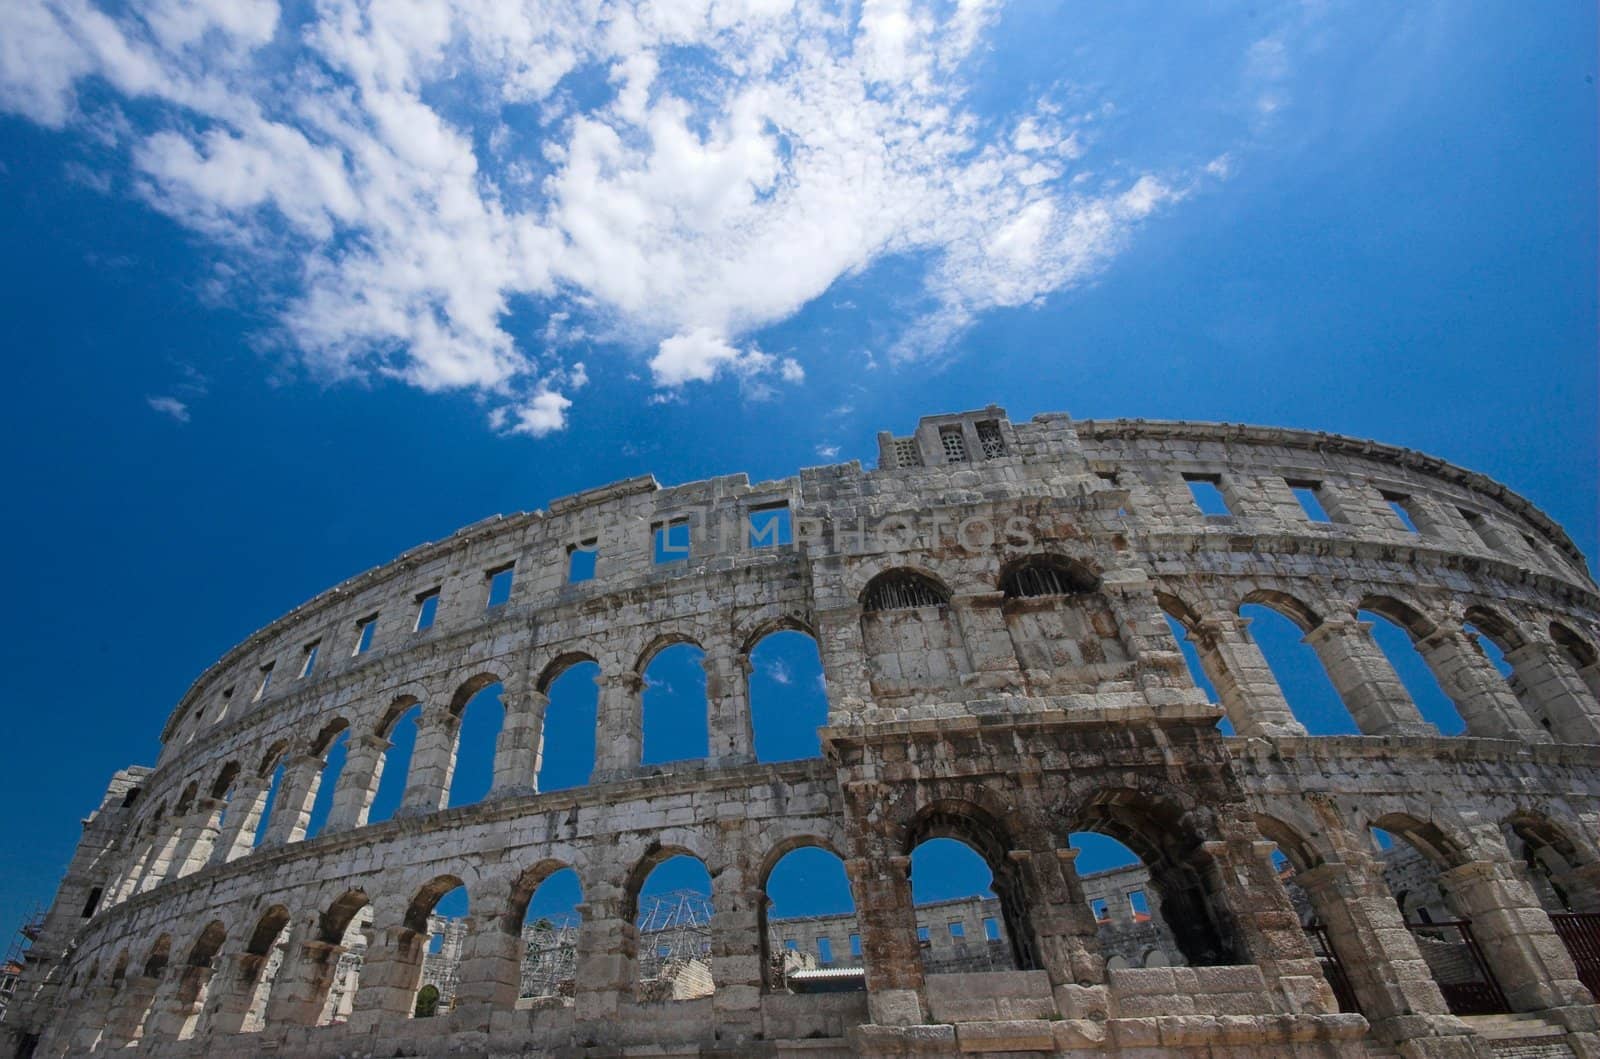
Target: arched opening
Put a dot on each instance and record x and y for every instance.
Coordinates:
(811, 942)
(1578, 652)
(264, 952)
(968, 894)
(671, 902)
(431, 956)
(1126, 910)
(194, 986)
(675, 708)
(1496, 638)
(344, 933)
(788, 700)
(1279, 630)
(566, 758)
(333, 756)
(1182, 623)
(480, 714)
(399, 728)
(1396, 628)
(1552, 860)
(222, 791)
(1182, 874)
(275, 767)
(550, 896)
(1062, 629)
(913, 646)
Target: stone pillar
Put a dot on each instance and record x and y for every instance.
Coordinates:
(301, 989)
(159, 862)
(890, 953)
(1529, 961)
(491, 972)
(433, 761)
(177, 1010)
(1064, 929)
(198, 837)
(732, 737)
(844, 661)
(1558, 692)
(129, 1009)
(619, 727)
(358, 783)
(736, 970)
(391, 974)
(518, 748)
(1245, 684)
(992, 663)
(1486, 702)
(1379, 956)
(291, 811)
(1367, 683)
(237, 982)
(90, 1020)
(607, 943)
(240, 820)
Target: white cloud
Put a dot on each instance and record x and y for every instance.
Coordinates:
(169, 406)
(406, 170)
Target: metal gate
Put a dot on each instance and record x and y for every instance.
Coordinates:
(1332, 968)
(1580, 933)
(1458, 966)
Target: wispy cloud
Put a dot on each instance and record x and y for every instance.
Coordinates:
(169, 406)
(406, 171)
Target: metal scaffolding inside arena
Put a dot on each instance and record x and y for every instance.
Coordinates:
(674, 928)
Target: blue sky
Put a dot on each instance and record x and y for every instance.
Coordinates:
(288, 291)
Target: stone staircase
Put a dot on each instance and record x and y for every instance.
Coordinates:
(1521, 1036)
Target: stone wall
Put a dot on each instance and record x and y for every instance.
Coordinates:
(991, 607)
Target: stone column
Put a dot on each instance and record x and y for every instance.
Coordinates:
(358, 783)
(1064, 928)
(607, 944)
(844, 661)
(518, 747)
(1529, 961)
(491, 972)
(159, 862)
(1245, 684)
(433, 761)
(890, 953)
(178, 1007)
(391, 974)
(89, 1023)
(237, 982)
(992, 663)
(1486, 702)
(240, 820)
(1379, 956)
(619, 727)
(129, 1009)
(1558, 692)
(1367, 683)
(291, 810)
(300, 990)
(732, 737)
(199, 836)
(736, 969)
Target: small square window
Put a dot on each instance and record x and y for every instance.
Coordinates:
(989, 437)
(670, 540)
(905, 453)
(427, 609)
(855, 944)
(991, 928)
(923, 935)
(1102, 910)
(1310, 496)
(1206, 490)
(954, 445)
(824, 950)
(581, 560)
(365, 629)
(771, 527)
(958, 929)
(308, 658)
(791, 944)
(1401, 505)
(1480, 527)
(1139, 905)
(266, 681)
(499, 585)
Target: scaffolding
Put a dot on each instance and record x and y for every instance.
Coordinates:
(674, 929)
(16, 957)
(550, 955)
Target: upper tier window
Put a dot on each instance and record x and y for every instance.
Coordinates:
(1046, 577)
(902, 590)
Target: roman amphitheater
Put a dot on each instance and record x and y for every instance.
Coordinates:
(1005, 616)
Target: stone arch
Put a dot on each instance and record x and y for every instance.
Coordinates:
(676, 965)
(1427, 837)
(903, 588)
(227, 776)
(827, 868)
(400, 704)
(185, 802)
(207, 944)
(544, 951)
(1563, 871)
(1409, 617)
(1291, 840)
(787, 621)
(558, 665)
(333, 921)
(785, 846)
(487, 676)
(269, 925)
(1064, 634)
(523, 888)
(271, 757)
(783, 696)
(1497, 627)
(660, 643)
(326, 735)
(1425, 674)
(982, 830)
(1313, 672)
(674, 708)
(1286, 604)
(655, 854)
(913, 644)
(473, 736)
(1046, 574)
(1579, 651)
(160, 954)
(426, 899)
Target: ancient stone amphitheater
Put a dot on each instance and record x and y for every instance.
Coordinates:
(991, 606)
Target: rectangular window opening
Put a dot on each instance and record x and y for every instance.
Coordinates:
(266, 681)
(1139, 905)
(824, 950)
(1310, 496)
(92, 903)
(1102, 910)
(308, 658)
(581, 560)
(855, 944)
(991, 440)
(771, 526)
(991, 928)
(1206, 490)
(953, 444)
(499, 585)
(365, 630)
(427, 610)
(670, 541)
(957, 929)
(905, 453)
(1400, 504)
(1480, 527)
(131, 797)
(923, 935)
(791, 944)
